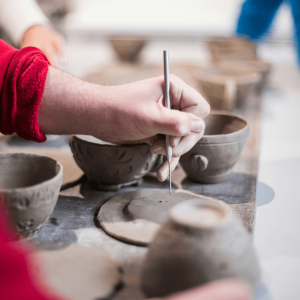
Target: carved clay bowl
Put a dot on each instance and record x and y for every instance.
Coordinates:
(112, 166)
(200, 242)
(213, 157)
(238, 47)
(29, 187)
(128, 49)
(225, 88)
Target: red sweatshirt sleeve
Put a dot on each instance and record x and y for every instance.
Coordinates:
(23, 76)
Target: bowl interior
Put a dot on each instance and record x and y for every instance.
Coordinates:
(216, 124)
(23, 170)
(199, 213)
(91, 139)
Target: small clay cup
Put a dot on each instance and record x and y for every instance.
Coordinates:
(128, 49)
(238, 47)
(29, 187)
(200, 242)
(226, 88)
(213, 157)
(259, 66)
(112, 166)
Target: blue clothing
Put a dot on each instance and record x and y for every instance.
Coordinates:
(257, 15)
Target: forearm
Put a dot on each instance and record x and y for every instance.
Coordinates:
(71, 105)
(118, 114)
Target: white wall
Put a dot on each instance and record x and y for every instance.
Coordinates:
(155, 17)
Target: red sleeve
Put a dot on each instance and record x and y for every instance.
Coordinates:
(16, 277)
(23, 76)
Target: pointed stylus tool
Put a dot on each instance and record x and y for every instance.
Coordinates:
(168, 105)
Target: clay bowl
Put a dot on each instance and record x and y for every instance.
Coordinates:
(128, 49)
(239, 47)
(111, 166)
(226, 88)
(259, 66)
(29, 186)
(213, 157)
(200, 242)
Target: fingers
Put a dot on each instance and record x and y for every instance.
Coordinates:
(185, 144)
(51, 56)
(163, 171)
(176, 123)
(187, 99)
(220, 290)
(59, 44)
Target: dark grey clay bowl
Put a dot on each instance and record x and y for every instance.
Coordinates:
(213, 157)
(200, 242)
(29, 187)
(112, 166)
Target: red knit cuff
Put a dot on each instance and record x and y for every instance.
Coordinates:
(22, 94)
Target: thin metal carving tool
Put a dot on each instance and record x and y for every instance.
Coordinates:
(168, 105)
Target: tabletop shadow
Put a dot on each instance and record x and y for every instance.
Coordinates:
(237, 188)
(264, 194)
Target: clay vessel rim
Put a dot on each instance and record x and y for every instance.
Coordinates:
(210, 138)
(175, 214)
(248, 76)
(59, 174)
(108, 145)
(251, 62)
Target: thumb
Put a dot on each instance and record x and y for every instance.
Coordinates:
(177, 123)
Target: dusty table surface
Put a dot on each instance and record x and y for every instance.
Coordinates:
(74, 217)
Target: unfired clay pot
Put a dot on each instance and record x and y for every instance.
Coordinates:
(225, 88)
(128, 49)
(213, 157)
(29, 187)
(200, 242)
(112, 166)
(259, 66)
(225, 47)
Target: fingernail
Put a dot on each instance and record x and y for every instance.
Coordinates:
(157, 150)
(164, 173)
(197, 126)
(150, 141)
(176, 141)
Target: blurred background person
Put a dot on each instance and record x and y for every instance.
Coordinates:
(257, 16)
(26, 25)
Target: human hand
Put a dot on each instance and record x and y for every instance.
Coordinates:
(137, 114)
(220, 290)
(47, 40)
(125, 114)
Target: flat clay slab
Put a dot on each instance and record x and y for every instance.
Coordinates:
(78, 272)
(134, 217)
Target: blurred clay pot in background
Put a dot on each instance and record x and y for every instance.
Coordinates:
(238, 47)
(128, 49)
(225, 88)
(185, 71)
(112, 166)
(213, 157)
(259, 66)
(200, 242)
(29, 187)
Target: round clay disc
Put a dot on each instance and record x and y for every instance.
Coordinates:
(134, 217)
